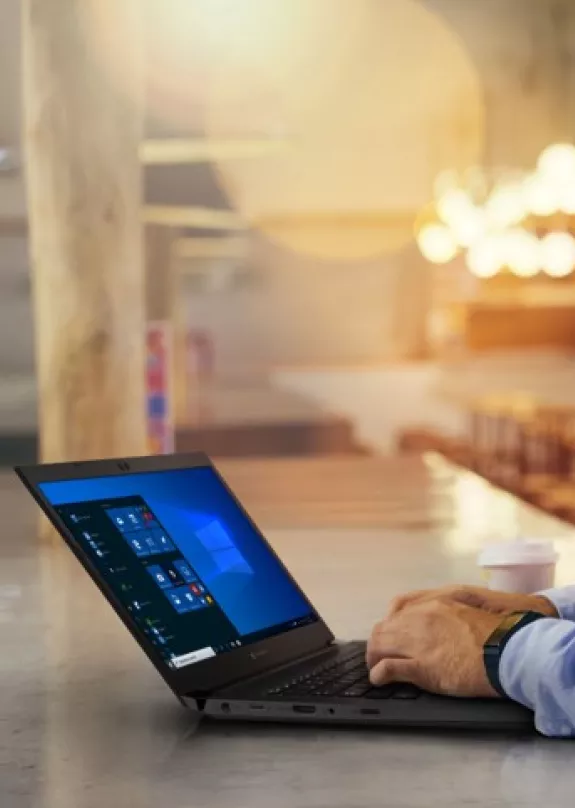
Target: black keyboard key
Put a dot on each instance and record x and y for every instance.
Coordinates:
(357, 691)
(345, 675)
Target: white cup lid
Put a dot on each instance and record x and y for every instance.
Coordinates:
(518, 553)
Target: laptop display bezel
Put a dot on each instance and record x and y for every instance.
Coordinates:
(202, 678)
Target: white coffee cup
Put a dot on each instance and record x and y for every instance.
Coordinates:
(524, 565)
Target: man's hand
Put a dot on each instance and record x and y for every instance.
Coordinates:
(436, 645)
(479, 598)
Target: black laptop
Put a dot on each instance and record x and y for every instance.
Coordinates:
(214, 608)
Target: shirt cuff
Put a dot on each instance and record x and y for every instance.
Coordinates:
(563, 599)
(532, 672)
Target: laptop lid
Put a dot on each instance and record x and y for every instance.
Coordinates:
(182, 564)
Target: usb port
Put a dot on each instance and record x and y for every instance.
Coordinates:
(257, 707)
(303, 708)
(369, 711)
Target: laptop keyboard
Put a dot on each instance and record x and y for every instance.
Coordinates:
(345, 678)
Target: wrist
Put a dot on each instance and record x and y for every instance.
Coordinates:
(544, 606)
(493, 649)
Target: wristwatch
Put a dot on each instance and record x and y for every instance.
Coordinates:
(495, 644)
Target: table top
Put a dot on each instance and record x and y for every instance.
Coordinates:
(86, 722)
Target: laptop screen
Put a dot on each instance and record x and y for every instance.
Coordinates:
(182, 557)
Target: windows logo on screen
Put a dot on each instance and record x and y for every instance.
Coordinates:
(224, 553)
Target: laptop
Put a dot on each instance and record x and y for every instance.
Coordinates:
(213, 607)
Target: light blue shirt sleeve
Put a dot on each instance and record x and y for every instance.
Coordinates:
(563, 600)
(538, 667)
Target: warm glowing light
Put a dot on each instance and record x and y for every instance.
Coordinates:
(506, 205)
(475, 180)
(454, 205)
(558, 254)
(567, 199)
(557, 162)
(522, 252)
(486, 258)
(469, 227)
(541, 196)
(314, 73)
(437, 243)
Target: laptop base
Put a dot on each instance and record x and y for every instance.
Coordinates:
(429, 711)
(258, 700)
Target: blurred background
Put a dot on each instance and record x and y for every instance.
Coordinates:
(357, 220)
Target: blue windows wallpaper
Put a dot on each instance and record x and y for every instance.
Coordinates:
(205, 525)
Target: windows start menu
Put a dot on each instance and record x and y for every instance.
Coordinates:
(155, 582)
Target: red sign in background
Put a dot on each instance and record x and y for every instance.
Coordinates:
(159, 384)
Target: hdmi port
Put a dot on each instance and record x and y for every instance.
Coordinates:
(303, 708)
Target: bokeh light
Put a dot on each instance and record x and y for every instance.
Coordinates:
(558, 254)
(487, 257)
(567, 199)
(557, 163)
(541, 197)
(522, 252)
(437, 243)
(506, 204)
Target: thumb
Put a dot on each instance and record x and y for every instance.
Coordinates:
(396, 670)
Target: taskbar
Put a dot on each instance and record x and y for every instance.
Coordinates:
(203, 654)
(282, 628)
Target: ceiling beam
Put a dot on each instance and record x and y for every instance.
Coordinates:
(190, 248)
(205, 218)
(367, 219)
(202, 150)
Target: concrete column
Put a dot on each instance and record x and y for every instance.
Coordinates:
(82, 128)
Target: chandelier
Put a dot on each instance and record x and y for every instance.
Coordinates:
(523, 223)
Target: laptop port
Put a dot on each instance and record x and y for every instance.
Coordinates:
(303, 708)
(369, 711)
(257, 707)
(226, 707)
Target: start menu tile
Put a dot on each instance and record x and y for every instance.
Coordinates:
(166, 596)
(172, 573)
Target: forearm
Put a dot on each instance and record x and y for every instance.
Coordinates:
(538, 670)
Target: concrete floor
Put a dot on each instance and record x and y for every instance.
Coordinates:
(86, 722)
